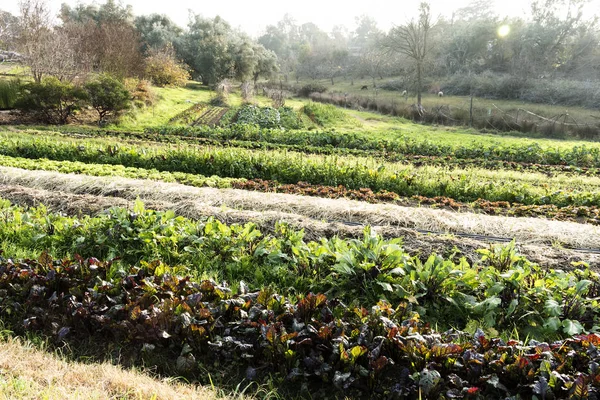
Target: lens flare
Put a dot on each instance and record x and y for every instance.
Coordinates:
(504, 30)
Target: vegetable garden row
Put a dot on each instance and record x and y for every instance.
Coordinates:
(369, 333)
(532, 152)
(390, 156)
(467, 185)
(586, 214)
(485, 150)
(504, 292)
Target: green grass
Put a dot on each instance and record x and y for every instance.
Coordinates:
(13, 69)
(170, 101)
(580, 114)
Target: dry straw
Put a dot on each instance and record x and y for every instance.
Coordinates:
(524, 230)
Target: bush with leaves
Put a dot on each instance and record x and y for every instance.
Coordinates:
(163, 69)
(9, 93)
(311, 88)
(107, 95)
(290, 118)
(141, 92)
(54, 101)
(323, 114)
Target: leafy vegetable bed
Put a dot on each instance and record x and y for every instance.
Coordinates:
(313, 347)
(189, 115)
(569, 213)
(416, 160)
(503, 293)
(287, 167)
(530, 152)
(210, 117)
(584, 214)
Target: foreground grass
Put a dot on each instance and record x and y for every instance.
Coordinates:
(30, 373)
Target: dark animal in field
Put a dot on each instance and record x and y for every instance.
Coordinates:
(365, 87)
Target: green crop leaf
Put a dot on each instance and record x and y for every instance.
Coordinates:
(553, 323)
(357, 351)
(571, 327)
(553, 308)
(582, 286)
(386, 286)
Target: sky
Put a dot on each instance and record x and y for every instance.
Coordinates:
(252, 16)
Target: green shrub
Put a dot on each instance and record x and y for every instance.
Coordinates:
(311, 88)
(107, 95)
(164, 70)
(54, 101)
(9, 93)
(141, 92)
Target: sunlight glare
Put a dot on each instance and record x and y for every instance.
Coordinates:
(503, 31)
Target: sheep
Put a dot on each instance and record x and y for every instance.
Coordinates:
(440, 94)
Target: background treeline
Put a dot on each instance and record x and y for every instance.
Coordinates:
(552, 56)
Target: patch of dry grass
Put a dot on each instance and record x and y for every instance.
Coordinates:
(525, 230)
(30, 373)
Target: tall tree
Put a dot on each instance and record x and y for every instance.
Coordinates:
(9, 28)
(35, 35)
(283, 40)
(158, 31)
(412, 40)
(207, 49)
(267, 63)
(105, 37)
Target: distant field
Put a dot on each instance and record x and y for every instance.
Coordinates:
(578, 114)
(172, 101)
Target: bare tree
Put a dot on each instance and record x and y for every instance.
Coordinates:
(35, 34)
(412, 41)
(8, 30)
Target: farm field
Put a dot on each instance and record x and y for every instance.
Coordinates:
(432, 101)
(309, 262)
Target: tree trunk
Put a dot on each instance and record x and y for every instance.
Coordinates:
(332, 83)
(419, 84)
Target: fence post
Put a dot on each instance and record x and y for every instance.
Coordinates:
(471, 112)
